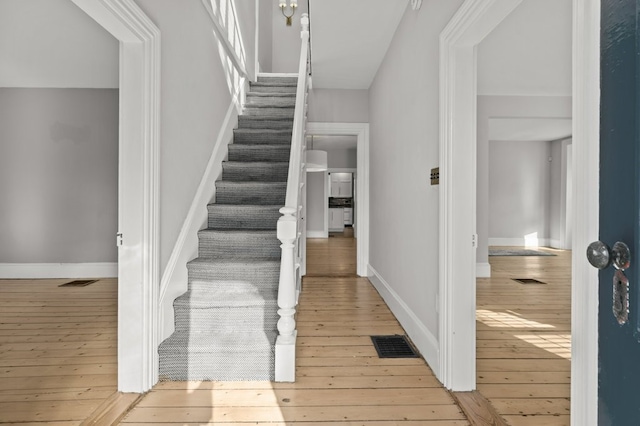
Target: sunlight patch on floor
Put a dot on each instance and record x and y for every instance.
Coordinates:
(507, 320)
(557, 344)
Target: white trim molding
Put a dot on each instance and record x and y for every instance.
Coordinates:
(138, 192)
(420, 335)
(483, 270)
(458, 103)
(586, 163)
(175, 276)
(58, 270)
(361, 131)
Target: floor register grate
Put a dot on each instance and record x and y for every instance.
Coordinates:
(393, 347)
(527, 281)
(78, 283)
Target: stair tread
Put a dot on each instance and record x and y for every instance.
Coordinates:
(270, 94)
(229, 295)
(253, 261)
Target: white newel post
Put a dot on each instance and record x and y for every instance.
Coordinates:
(289, 227)
(286, 341)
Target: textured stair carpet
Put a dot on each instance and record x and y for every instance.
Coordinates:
(226, 321)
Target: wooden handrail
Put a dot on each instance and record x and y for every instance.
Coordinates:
(290, 224)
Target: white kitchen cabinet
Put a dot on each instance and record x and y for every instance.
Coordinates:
(336, 219)
(348, 216)
(341, 185)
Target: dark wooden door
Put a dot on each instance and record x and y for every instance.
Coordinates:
(619, 344)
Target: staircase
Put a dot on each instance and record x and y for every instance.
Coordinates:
(225, 324)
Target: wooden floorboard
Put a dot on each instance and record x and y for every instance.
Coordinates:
(340, 380)
(524, 339)
(57, 350)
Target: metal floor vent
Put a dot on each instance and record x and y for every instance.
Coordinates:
(393, 347)
(527, 281)
(78, 283)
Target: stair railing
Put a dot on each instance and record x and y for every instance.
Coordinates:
(290, 225)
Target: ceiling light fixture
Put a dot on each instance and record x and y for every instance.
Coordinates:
(316, 160)
(283, 6)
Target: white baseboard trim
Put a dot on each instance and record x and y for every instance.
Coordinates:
(58, 270)
(423, 339)
(557, 244)
(519, 242)
(483, 270)
(175, 276)
(317, 234)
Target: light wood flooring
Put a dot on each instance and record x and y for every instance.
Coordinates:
(58, 356)
(524, 339)
(332, 257)
(340, 379)
(57, 350)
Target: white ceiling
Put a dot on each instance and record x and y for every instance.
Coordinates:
(349, 39)
(529, 129)
(530, 51)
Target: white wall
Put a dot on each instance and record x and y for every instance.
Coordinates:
(560, 194)
(195, 99)
(285, 45)
(505, 106)
(52, 43)
(404, 114)
(520, 191)
(265, 29)
(524, 57)
(246, 21)
(58, 175)
(342, 158)
(338, 106)
(316, 201)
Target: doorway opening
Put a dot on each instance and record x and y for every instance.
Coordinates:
(459, 40)
(347, 145)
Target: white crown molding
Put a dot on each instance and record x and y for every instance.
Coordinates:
(416, 4)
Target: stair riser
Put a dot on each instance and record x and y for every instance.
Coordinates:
(272, 101)
(218, 366)
(264, 173)
(257, 275)
(258, 153)
(250, 195)
(277, 79)
(227, 320)
(285, 113)
(253, 122)
(272, 89)
(263, 138)
(220, 218)
(220, 246)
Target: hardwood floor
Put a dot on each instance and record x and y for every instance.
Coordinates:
(340, 379)
(58, 355)
(332, 257)
(524, 339)
(57, 350)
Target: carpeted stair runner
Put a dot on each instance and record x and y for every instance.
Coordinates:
(226, 321)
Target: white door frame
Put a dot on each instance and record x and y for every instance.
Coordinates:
(458, 99)
(138, 188)
(361, 131)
